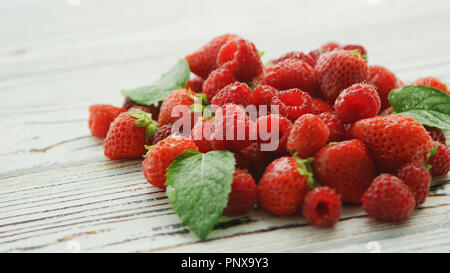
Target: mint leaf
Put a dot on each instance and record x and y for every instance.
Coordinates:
(427, 105)
(198, 186)
(175, 78)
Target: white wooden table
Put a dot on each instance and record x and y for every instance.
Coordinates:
(59, 194)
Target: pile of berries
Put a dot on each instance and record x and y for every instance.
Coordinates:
(337, 138)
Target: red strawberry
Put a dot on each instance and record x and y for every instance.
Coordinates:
(203, 61)
(393, 140)
(195, 84)
(243, 196)
(335, 126)
(101, 116)
(320, 106)
(128, 135)
(418, 179)
(262, 95)
(432, 82)
(322, 207)
(345, 166)
(385, 81)
(292, 103)
(161, 155)
(309, 133)
(291, 73)
(283, 186)
(238, 93)
(203, 136)
(361, 49)
(436, 134)
(440, 161)
(257, 159)
(176, 98)
(388, 199)
(217, 80)
(337, 70)
(162, 133)
(242, 58)
(273, 132)
(330, 46)
(309, 58)
(357, 102)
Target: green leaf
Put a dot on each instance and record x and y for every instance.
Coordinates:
(427, 105)
(198, 186)
(175, 78)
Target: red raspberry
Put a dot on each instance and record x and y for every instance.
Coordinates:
(359, 101)
(432, 82)
(233, 126)
(418, 179)
(195, 84)
(440, 161)
(293, 103)
(274, 129)
(175, 98)
(128, 135)
(309, 58)
(257, 159)
(283, 186)
(238, 93)
(330, 46)
(101, 116)
(242, 58)
(307, 136)
(345, 166)
(335, 126)
(322, 207)
(152, 109)
(320, 106)
(262, 95)
(162, 133)
(388, 199)
(291, 73)
(160, 157)
(386, 112)
(361, 49)
(436, 134)
(203, 61)
(241, 162)
(217, 80)
(203, 136)
(337, 70)
(243, 196)
(385, 81)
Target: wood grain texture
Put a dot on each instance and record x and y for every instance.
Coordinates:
(59, 194)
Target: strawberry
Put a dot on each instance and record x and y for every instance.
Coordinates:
(258, 160)
(337, 70)
(418, 179)
(393, 140)
(101, 116)
(203, 61)
(243, 196)
(345, 166)
(178, 98)
(308, 134)
(440, 161)
(238, 93)
(161, 155)
(322, 207)
(330, 46)
(274, 130)
(242, 58)
(195, 84)
(320, 106)
(309, 58)
(203, 136)
(217, 80)
(432, 82)
(289, 74)
(283, 186)
(388, 199)
(262, 95)
(362, 50)
(128, 135)
(292, 103)
(335, 126)
(385, 81)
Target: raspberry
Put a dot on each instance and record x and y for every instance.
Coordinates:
(359, 101)
(432, 82)
(195, 84)
(152, 109)
(335, 126)
(388, 199)
(418, 179)
(293, 103)
(243, 196)
(242, 58)
(175, 98)
(203, 61)
(203, 136)
(322, 207)
(162, 133)
(274, 129)
(361, 49)
(283, 187)
(330, 46)
(385, 81)
(262, 95)
(436, 134)
(241, 162)
(386, 112)
(160, 157)
(440, 161)
(258, 160)
(291, 73)
(217, 80)
(309, 58)
(238, 93)
(101, 116)
(309, 133)
(320, 106)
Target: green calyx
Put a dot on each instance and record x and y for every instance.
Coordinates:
(305, 169)
(144, 119)
(430, 154)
